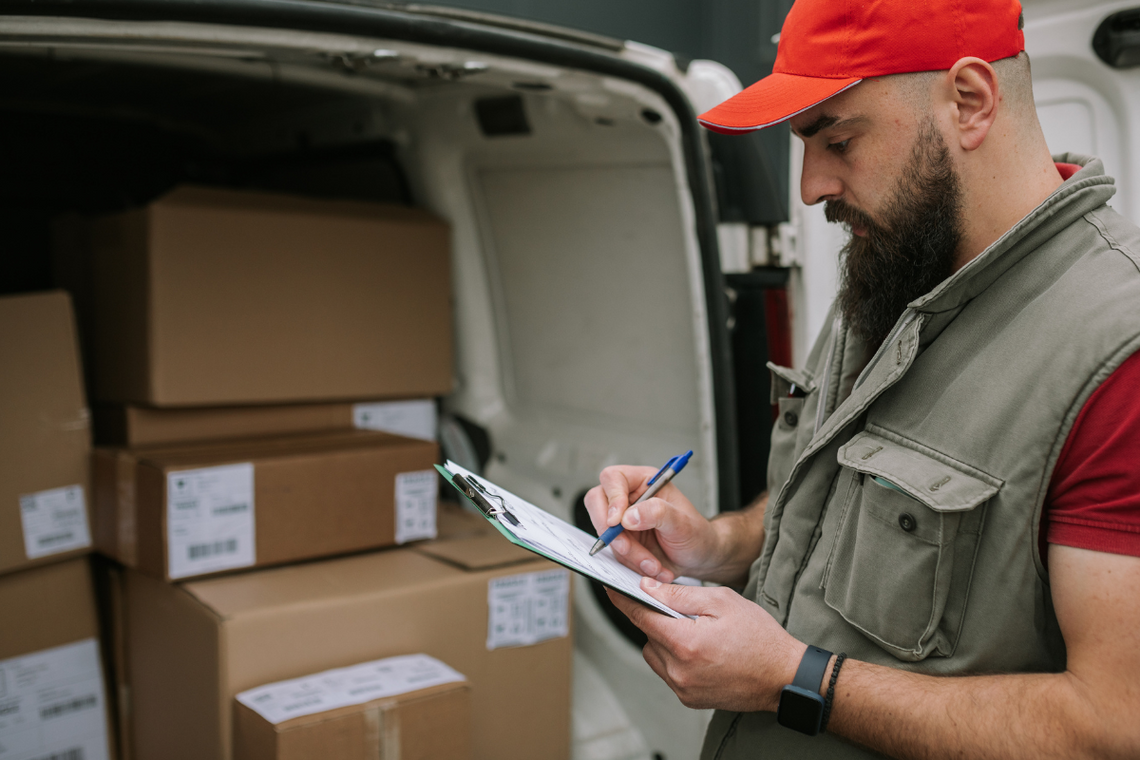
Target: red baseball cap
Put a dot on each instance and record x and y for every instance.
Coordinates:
(828, 46)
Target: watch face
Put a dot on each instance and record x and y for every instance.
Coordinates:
(800, 710)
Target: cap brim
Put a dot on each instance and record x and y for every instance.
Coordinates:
(775, 98)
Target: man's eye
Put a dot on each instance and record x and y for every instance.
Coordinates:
(840, 147)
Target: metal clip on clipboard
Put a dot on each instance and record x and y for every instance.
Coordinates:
(481, 497)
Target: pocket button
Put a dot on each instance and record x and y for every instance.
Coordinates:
(907, 522)
(791, 418)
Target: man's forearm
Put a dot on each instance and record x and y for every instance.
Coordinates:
(740, 537)
(907, 715)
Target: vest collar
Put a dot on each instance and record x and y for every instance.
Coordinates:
(1086, 190)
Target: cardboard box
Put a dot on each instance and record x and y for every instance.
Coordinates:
(183, 512)
(217, 297)
(45, 437)
(52, 693)
(421, 711)
(146, 426)
(193, 647)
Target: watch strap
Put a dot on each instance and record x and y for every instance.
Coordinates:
(813, 666)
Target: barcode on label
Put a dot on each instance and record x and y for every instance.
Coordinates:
(68, 754)
(62, 708)
(198, 551)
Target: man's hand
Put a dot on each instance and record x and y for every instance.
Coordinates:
(734, 656)
(664, 536)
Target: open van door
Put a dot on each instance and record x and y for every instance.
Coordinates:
(592, 324)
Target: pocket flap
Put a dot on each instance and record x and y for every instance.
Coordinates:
(939, 483)
(783, 378)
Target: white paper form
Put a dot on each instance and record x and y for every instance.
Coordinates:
(52, 704)
(545, 534)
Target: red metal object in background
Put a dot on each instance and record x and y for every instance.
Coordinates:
(778, 319)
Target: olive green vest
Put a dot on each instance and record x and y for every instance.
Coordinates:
(907, 490)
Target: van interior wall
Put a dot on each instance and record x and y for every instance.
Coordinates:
(580, 323)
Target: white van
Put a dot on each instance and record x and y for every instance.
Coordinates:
(620, 276)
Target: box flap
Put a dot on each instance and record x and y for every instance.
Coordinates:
(318, 582)
(453, 521)
(477, 552)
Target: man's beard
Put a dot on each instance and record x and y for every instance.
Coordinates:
(909, 250)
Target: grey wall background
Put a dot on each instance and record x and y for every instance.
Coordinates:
(737, 33)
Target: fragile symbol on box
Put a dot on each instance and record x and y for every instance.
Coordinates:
(54, 521)
(209, 519)
(416, 496)
(528, 608)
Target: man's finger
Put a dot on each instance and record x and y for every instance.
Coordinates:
(596, 506)
(656, 661)
(651, 622)
(688, 600)
(651, 514)
(621, 485)
(616, 487)
(637, 557)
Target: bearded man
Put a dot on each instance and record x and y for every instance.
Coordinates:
(949, 561)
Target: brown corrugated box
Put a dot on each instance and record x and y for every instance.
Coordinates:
(313, 496)
(219, 297)
(132, 426)
(145, 426)
(193, 647)
(45, 435)
(425, 724)
(49, 614)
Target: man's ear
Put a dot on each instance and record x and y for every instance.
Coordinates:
(972, 88)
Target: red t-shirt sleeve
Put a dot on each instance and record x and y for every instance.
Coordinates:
(1094, 495)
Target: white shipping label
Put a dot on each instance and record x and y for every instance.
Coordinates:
(415, 419)
(528, 608)
(54, 521)
(416, 496)
(209, 519)
(52, 705)
(355, 685)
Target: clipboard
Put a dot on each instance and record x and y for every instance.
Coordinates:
(544, 534)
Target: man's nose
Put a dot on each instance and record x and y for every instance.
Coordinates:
(817, 184)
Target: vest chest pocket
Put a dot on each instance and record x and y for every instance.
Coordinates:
(901, 564)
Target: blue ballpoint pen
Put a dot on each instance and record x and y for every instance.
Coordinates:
(656, 483)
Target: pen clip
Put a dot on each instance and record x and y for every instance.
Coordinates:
(661, 472)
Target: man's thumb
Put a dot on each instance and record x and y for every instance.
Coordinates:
(688, 600)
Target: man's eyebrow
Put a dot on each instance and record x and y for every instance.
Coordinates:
(826, 121)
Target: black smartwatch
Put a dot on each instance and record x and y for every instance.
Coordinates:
(801, 706)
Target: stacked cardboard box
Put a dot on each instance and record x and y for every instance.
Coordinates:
(52, 692)
(137, 426)
(45, 437)
(246, 349)
(489, 610)
(181, 512)
(411, 707)
(221, 298)
(52, 695)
